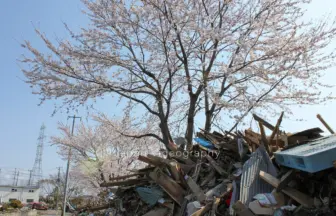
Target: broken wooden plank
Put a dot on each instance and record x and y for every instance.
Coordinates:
(325, 124)
(216, 166)
(269, 179)
(183, 207)
(252, 136)
(203, 210)
(296, 195)
(277, 126)
(173, 165)
(155, 212)
(175, 191)
(215, 206)
(209, 177)
(197, 171)
(124, 177)
(241, 210)
(257, 209)
(299, 197)
(197, 191)
(285, 179)
(264, 139)
(151, 161)
(264, 122)
(124, 183)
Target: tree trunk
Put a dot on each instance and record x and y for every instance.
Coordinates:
(190, 124)
(208, 117)
(165, 133)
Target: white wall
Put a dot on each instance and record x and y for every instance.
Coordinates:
(21, 194)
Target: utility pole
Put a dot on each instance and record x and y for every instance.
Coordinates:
(58, 186)
(68, 166)
(17, 178)
(30, 177)
(14, 177)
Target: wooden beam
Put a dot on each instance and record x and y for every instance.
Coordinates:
(203, 210)
(277, 126)
(215, 207)
(325, 124)
(97, 208)
(124, 183)
(296, 195)
(213, 163)
(285, 179)
(264, 139)
(197, 191)
(264, 122)
(175, 191)
(208, 178)
(151, 161)
(155, 212)
(124, 177)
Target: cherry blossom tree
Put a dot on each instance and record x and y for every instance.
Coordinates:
(173, 60)
(100, 152)
(53, 186)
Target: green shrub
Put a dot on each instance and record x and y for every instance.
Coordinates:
(16, 204)
(4, 207)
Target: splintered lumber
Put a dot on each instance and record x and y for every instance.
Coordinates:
(183, 207)
(241, 209)
(180, 158)
(325, 124)
(124, 177)
(296, 195)
(252, 136)
(124, 183)
(264, 139)
(215, 206)
(160, 211)
(151, 161)
(209, 177)
(265, 123)
(275, 131)
(98, 208)
(175, 191)
(174, 167)
(285, 179)
(216, 166)
(197, 191)
(203, 210)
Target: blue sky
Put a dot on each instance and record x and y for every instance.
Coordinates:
(20, 116)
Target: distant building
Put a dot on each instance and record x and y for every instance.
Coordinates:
(25, 194)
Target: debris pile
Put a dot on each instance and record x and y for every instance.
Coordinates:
(242, 173)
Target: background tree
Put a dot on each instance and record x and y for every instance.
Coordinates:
(175, 59)
(101, 152)
(53, 187)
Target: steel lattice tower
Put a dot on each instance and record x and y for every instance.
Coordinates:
(37, 168)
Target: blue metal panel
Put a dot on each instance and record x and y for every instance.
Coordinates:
(311, 157)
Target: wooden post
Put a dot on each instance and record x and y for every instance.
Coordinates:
(276, 127)
(325, 124)
(264, 139)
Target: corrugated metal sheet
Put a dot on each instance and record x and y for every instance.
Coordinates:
(250, 183)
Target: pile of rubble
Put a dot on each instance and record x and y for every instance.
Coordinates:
(242, 173)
